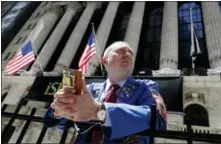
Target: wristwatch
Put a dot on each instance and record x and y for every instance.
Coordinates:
(101, 113)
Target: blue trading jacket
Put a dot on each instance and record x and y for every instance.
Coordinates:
(131, 115)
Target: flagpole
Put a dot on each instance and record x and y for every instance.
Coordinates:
(192, 39)
(197, 43)
(97, 49)
(37, 57)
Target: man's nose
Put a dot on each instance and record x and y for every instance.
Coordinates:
(127, 54)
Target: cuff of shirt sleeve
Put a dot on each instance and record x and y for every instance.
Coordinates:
(52, 115)
(107, 122)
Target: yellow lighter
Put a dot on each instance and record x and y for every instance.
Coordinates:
(73, 78)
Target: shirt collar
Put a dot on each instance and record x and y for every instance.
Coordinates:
(108, 84)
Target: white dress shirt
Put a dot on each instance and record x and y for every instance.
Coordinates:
(103, 94)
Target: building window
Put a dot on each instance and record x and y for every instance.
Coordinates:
(152, 52)
(20, 5)
(6, 22)
(13, 12)
(8, 16)
(185, 60)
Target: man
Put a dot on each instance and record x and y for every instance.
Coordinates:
(121, 104)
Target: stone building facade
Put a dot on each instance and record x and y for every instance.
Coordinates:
(59, 32)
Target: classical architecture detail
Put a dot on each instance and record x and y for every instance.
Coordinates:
(59, 31)
(60, 67)
(36, 67)
(197, 129)
(132, 35)
(51, 74)
(166, 72)
(216, 71)
(169, 39)
(212, 24)
(28, 73)
(103, 34)
(54, 9)
(74, 40)
(194, 97)
(74, 5)
(54, 39)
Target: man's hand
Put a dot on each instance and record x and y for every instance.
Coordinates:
(75, 107)
(161, 107)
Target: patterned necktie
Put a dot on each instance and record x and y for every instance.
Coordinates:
(111, 96)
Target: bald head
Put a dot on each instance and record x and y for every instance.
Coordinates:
(115, 46)
(118, 60)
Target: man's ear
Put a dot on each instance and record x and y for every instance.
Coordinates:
(104, 60)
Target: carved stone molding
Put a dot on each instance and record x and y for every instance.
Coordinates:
(28, 73)
(36, 67)
(55, 9)
(196, 129)
(97, 5)
(166, 72)
(216, 71)
(74, 5)
(194, 98)
(169, 61)
(52, 73)
(59, 67)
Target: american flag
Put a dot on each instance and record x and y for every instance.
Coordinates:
(23, 57)
(89, 52)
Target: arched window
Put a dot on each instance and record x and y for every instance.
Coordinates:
(185, 60)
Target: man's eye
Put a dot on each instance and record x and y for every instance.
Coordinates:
(121, 52)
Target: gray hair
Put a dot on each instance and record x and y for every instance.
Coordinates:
(115, 46)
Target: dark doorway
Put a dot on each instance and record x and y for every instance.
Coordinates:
(198, 115)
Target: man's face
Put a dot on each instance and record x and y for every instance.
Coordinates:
(121, 59)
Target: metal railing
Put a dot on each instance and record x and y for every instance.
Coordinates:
(188, 135)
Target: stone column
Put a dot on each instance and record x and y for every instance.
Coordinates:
(53, 41)
(103, 34)
(74, 41)
(134, 26)
(44, 26)
(169, 39)
(212, 24)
